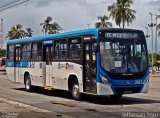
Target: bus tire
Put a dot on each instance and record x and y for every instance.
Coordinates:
(28, 83)
(116, 96)
(75, 91)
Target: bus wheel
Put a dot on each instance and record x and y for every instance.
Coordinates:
(75, 91)
(27, 83)
(116, 96)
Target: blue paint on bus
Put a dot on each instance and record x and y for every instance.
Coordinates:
(55, 36)
(22, 64)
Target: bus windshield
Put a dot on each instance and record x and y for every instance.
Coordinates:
(123, 54)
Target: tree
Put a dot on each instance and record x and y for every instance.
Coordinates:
(122, 13)
(55, 28)
(103, 22)
(156, 60)
(50, 28)
(15, 32)
(18, 32)
(2, 52)
(28, 32)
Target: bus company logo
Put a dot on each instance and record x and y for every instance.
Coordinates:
(69, 66)
(65, 66)
(60, 66)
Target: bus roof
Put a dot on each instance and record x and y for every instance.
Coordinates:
(93, 31)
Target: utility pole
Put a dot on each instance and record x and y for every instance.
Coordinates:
(147, 34)
(156, 35)
(1, 35)
(151, 25)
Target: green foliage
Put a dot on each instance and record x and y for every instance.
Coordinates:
(2, 52)
(28, 33)
(156, 59)
(18, 32)
(103, 22)
(50, 28)
(121, 12)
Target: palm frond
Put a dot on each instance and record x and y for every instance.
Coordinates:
(121, 12)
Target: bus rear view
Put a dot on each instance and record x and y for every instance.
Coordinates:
(123, 62)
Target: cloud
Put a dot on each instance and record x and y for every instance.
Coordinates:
(73, 14)
(41, 3)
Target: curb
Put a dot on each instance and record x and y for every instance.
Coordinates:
(154, 75)
(32, 108)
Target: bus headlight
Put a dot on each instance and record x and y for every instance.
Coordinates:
(104, 80)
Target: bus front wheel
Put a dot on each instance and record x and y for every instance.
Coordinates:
(27, 83)
(75, 91)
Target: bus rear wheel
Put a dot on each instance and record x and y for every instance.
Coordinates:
(75, 91)
(27, 83)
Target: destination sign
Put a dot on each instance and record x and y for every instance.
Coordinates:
(122, 35)
(47, 42)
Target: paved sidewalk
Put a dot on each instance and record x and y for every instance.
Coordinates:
(13, 109)
(5, 107)
(155, 74)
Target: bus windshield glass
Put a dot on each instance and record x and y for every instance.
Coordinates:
(123, 52)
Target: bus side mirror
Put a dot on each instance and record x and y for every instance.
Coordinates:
(95, 47)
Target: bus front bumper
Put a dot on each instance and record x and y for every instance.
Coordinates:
(103, 89)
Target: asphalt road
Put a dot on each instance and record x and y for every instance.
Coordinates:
(90, 106)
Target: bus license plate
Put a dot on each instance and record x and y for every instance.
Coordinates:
(128, 92)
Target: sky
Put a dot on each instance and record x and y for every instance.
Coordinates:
(74, 14)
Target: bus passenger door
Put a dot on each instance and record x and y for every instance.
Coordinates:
(17, 65)
(89, 69)
(48, 60)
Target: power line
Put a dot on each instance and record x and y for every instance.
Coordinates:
(2, 0)
(9, 3)
(14, 5)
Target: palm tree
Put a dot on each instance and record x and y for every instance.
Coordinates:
(20, 31)
(55, 28)
(28, 32)
(122, 13)
(11, 34)
(103, 22)
(16, 32)
(50, 28)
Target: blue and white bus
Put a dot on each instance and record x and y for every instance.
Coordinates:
(109, 61)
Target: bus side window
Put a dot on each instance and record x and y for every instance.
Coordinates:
(74, 48)
(56, 51)
(10, 52)
(26, 52)
(61, 49)
(37, 51)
